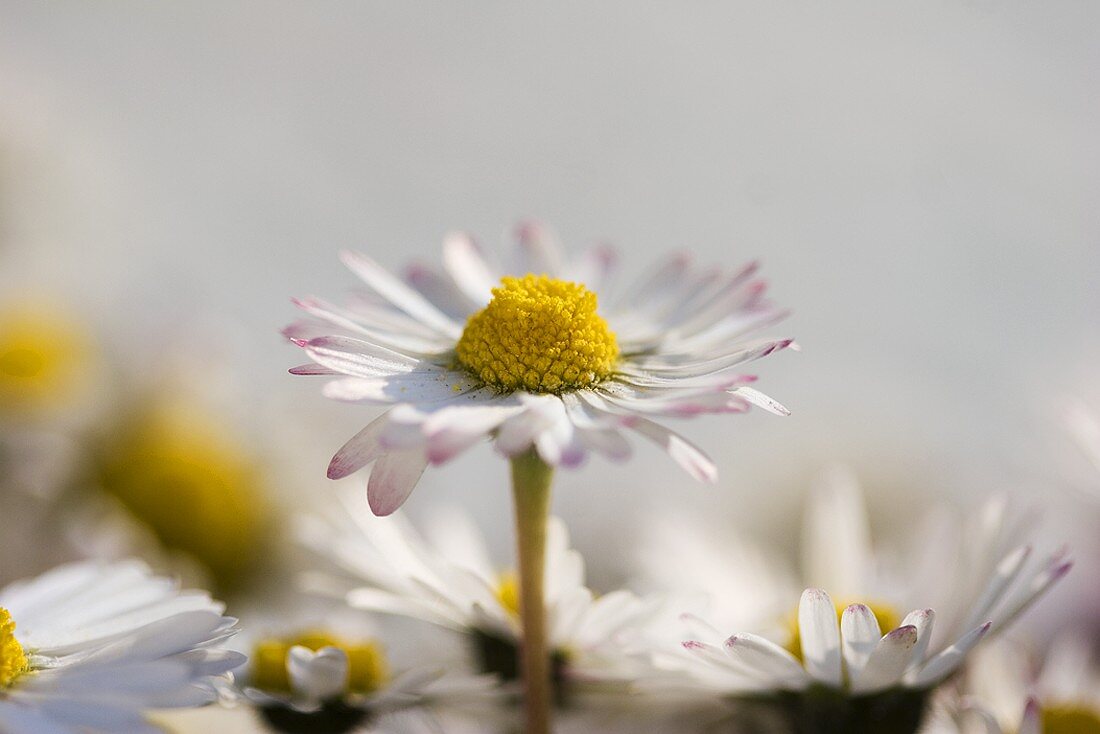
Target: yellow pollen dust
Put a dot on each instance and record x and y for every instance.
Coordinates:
(507, 592)
(887, 617)
(1070, 719)
(539, 334)
(13, 661)
(367, 667)
(42, 360)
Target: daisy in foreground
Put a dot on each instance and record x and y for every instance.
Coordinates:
(846, 674)
(530, 361)
(90, 648)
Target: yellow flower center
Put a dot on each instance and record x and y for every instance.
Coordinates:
(13, 661)
(539, 334)
(367, 667)
(41, 356)
(177, 471)
(507, 592)
(1070, 719)
(886, 615)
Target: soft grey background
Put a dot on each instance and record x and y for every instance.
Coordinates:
(920, 179)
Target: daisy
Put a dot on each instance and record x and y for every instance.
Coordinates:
(530, 361)
(315, 680)
(1005, 691)
(89, 648)
(945, 562)
(451, 582)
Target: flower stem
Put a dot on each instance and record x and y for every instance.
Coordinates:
(531, 477)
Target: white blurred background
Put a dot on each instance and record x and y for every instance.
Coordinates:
(920, 180)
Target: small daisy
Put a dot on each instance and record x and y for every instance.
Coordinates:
(90, 648)
(452, 583)
(530, 360)
(1004, 691)
(319, 682)
(945, 562)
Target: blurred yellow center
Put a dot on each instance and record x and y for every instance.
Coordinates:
(367, 668)
(1070, 720)
(41, 360)
(13, 661)
(886, 615)
(507, 592)
(177, 471)
(539, 334)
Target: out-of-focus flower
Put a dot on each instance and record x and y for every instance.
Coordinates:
(315, 681)
(452, 583)
(89, 648)
(44, 361)
(529, 361)
(1004, 691)
(945, 562)
(183, 476)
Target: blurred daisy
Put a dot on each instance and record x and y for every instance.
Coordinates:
(190, 484)
(452, 583)
(530, 361)
(89, 648)
(319, 682)
(1005, 691)
(946, 562)
(44, 361)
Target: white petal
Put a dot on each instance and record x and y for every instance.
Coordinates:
(820, 636)
(464, 263)
(697, 464)
(594, 267)
(399, 294)
(539, 251)
(392, 480)
(411, 387)
(519, 432)
(1003, 576)
(945, 663)
(923, 620)
(360, 450)
(764, 655)
(761, 400)
(836, 541)
(357, 357)
(859, 634)
(318, 676)
(888, 662)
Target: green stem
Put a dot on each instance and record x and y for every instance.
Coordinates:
(531, 477)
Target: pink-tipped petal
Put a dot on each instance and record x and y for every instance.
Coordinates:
(360, 450)
(392, 480)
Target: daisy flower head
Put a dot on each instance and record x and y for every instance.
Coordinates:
(1008, 689)
(864, 662)
(386, 565)
(534, 357)
(87, 647)
(318, 681)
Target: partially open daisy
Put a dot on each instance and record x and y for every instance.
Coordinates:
(90, 648)
(533, 360)
(451, 582)
(1007, 689)
(315, 680)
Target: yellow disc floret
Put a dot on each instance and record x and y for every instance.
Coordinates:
(367, 667)
(539, 334)
(1070, 719)
(13, 661)
(887, 617)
